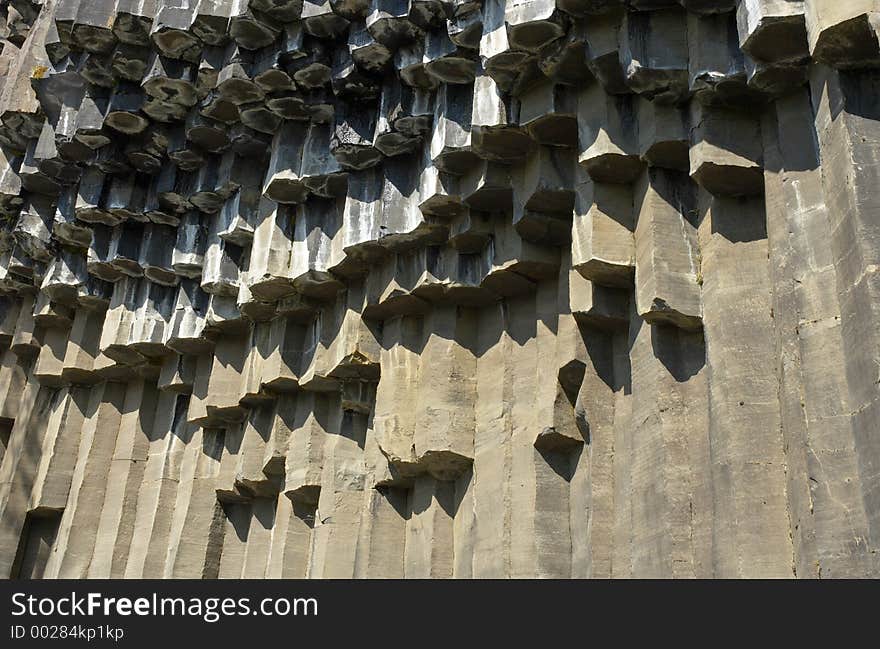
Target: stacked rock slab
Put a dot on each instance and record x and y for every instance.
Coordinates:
(438, 288)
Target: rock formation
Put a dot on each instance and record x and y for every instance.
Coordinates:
(440, 288)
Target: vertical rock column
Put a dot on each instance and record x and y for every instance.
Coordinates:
(848, 128)
(669, 471)
(20, 467)
(157, 495)
(78, 533)
(751, 532)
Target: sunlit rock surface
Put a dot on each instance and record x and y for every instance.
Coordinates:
(439, 288)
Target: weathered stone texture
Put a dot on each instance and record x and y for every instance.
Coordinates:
(505, 288)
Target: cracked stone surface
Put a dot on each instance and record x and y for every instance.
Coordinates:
(436, 288)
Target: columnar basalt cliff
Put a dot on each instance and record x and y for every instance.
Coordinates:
(440, 288)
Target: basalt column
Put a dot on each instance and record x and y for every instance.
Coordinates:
(502, 288)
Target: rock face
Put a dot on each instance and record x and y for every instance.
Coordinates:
(439, 288)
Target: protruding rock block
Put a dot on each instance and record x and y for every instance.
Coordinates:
(283, 366)
(512, 265)
(321, 172)
(342, 346)
(532, 25)
(438, 288)
(365, 51)
(270, 255)
(602, 247)
(446, 61)
(33, 230)
(465, 26)
(663, 135)
(708, 7)
(726, 153)
(185, 333)
(405, 117)
(607, 138)
(514, 66)
(843, 34)
(320, 21)
(251, 30)
(64, 277)
(773, 31)
(450, 142)
(595, 305)
(220, 271)
(603, 49)
(402, 224)
(549, 113)
(565, 59)
(542, 196)
(774, 80)
(188, 256)
(352, 140)
(654, 54)
(399, 367)
(438, 191)
(667, 271)
(429, 530)
(170, 31)
(717, 75)
(443, 440)
(311, 254)
(306, 418)
(388, 22)
(488, 187)
(282, 178)
(221, 400)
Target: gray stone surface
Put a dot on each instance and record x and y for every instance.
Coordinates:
(408, 288)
